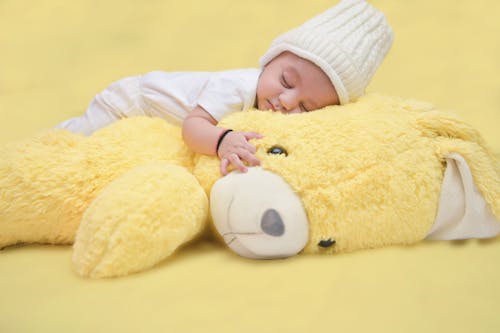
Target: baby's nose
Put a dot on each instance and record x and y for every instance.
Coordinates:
(289, 102)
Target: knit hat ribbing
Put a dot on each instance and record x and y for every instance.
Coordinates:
(348, 42)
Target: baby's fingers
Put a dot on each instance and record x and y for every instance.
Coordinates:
(252, 135)
(249, 157)
(224, 163)
(234, 160)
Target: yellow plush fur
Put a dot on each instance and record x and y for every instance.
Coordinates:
(368, 174)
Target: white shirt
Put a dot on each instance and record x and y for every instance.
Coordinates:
(169, 95)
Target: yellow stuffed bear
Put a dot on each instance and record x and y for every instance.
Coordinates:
(377, 172)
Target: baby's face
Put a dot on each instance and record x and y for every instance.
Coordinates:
(291, 84)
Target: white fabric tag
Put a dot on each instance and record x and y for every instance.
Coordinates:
(462, 213)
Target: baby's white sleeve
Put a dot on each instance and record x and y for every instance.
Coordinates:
(122, 99)
(229, 91)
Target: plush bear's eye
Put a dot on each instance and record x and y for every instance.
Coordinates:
(326, 242)
(277, 150)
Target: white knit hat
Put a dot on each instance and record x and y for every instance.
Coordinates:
(348, 42)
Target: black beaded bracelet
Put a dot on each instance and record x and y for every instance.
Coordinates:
(221, 137)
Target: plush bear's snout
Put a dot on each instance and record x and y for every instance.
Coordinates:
(258, 215)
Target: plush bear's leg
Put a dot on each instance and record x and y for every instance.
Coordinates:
(139, 220)
(41, 193)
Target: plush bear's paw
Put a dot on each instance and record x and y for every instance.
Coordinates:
(138, 220)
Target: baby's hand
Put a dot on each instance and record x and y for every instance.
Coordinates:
(235, 148)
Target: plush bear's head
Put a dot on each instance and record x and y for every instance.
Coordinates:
(343, 178)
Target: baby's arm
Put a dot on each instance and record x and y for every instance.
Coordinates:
(201, 134)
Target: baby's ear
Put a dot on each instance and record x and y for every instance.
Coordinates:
(469, 205)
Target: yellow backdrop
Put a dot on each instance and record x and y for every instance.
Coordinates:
(55, 55)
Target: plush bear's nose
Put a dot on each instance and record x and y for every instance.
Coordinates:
(272, 224)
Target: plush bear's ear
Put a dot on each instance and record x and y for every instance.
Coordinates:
(469, 205)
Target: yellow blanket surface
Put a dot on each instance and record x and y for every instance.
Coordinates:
(55, 56)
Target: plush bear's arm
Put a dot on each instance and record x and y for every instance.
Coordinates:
(139, 220)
